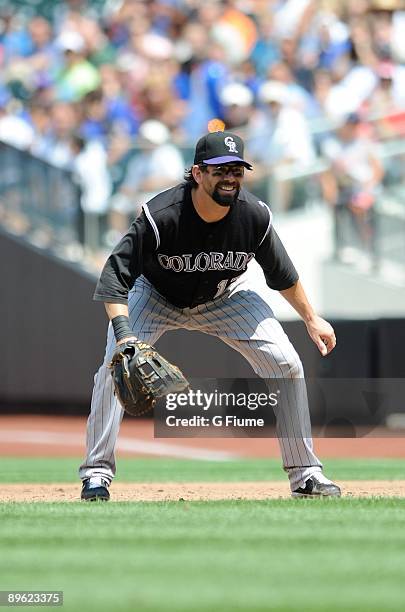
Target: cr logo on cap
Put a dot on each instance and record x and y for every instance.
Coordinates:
(231, 144)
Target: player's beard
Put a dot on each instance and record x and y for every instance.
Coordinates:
(223, 199)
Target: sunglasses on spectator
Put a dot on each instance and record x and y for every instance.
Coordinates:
(224, 170)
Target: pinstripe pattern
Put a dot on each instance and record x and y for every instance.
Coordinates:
(243, 319)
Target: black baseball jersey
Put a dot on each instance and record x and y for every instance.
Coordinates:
(190, 261)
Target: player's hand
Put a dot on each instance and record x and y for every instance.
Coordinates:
(322, 334)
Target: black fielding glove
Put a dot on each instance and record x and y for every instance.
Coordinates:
(141, 376)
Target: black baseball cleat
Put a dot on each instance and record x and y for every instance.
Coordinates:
(318, 486)
(95, 491)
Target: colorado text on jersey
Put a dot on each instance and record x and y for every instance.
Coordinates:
(233, 260)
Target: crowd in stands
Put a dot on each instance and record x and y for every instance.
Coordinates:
(83, 85)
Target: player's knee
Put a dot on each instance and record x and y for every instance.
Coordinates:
(295, 370)
(283, 364)
(291, 366)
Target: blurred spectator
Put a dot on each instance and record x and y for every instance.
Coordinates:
(246, 74)
(167, 16)
(279, 133)
(40, 120)
(322, 87)
(386, 103)
(333, 41)
(70, 9)
(237, 101)
(90, 166)
(234, 30)
(99, 49)
(54, 145)
(157, 166)
(266, 50)
(158, 98)
(299, 98)
(205, 81)
(27, 69)
(14, 129)
(278, 136)
(40, 63)
(15, 40)
(291, 17)
(350, 93)
(352, 186)
(78, 76)
(104, 116)
(91, 171)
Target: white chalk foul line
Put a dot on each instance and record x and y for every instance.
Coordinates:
(131, 445)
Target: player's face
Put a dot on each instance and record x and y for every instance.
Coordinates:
(222, 183)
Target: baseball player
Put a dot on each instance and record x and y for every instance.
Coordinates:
(183, 264)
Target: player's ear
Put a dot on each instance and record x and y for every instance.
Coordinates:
(197, 173)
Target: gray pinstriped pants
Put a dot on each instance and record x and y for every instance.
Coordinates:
(243, 319)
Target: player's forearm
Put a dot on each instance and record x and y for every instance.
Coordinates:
(115, 310)
(119, 317)
(295, 296)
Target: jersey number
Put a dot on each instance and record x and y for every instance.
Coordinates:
(221, 287)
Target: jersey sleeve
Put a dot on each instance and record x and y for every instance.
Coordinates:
(124, 265)
(278, 268)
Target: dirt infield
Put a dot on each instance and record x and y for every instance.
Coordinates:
(201, 491)
(44, 436)
(58, 436)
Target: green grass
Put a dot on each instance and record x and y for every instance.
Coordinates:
(282, 555)
(178, 470)
(279, 555)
